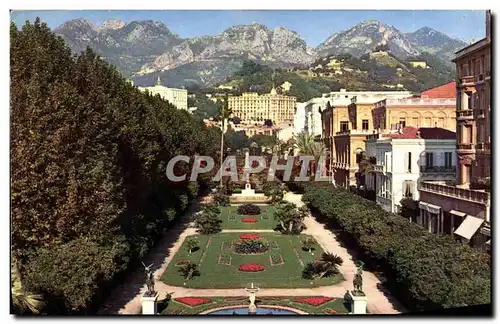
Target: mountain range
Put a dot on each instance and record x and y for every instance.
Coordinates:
(145, 50)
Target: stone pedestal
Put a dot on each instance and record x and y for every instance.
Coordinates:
(358, 303)
(252, 309)
(149, 305)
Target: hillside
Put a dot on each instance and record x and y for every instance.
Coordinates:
(148, 49)
(374, 71)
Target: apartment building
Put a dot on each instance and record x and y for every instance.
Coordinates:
(177, 97)
(252, 108)
(464, 206)
(405, 157)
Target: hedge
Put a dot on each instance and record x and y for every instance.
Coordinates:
(427, 271)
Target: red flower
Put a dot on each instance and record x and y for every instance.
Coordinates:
(319, 261)
(183, 262)
(249, 220)
(251, 267)
(193, 301)
(331, 311)
(315, 301)
(250, 236)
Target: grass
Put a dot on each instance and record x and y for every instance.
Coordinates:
(215, 275)
(231, 219)
(336, 304)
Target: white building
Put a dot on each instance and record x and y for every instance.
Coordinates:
(373, 96)
(406, 157)
(286, 131)
(299, 118)
(177, 97)
(312, 121)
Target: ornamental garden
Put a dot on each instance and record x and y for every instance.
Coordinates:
(276, 255)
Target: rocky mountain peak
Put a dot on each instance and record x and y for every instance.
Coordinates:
(111, 24)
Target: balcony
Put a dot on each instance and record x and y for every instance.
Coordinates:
(480, 114)
(438, 170)
(467, 80)
(378, 168)
(465, 114)
(465, 148)
(458, 193)
(480, 78)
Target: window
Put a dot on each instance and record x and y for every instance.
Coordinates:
(447, 159)
(344, 126)
(408, 163)
(429, 160)
(365, 124)
(402, 122)
(408, 188)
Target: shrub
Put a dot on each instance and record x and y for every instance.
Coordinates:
(221, 199)
(251, 246)
(249, 209)
(76, 272)
(208, 221)
(426, 271)
(251, 268)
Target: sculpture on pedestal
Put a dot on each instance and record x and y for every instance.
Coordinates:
(252, 309)
(150, 282)
(358, 279)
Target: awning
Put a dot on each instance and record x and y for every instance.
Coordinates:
(469, 226)
(423, 205)
(486, 231)
(458, 213)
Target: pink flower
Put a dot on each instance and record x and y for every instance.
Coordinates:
(249, 220)
(250, 236)
(193, 301)
(315, 301)
(251, 267)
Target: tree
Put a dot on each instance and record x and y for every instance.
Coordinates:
(329, 265)
(274, 190)
(236, 120)
(306, 144)
(208, 221)
(289, 218)
(268, 123)
(308, 243)
(192, 243)
(189, 270)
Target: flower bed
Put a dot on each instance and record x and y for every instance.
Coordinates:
(250, 236)
(224, 259)
(249, 220)
(275, 245)
(181, 263)
(226, 246)
(276, 259)
(193, 301)
(330, 311)
(314, 301)
(251, 246)
(248, 209)
(251, 267)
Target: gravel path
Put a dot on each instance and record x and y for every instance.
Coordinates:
(126, 299)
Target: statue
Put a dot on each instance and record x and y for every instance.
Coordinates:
(150, 282)
(358, 279)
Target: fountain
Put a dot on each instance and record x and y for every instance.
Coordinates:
(252, 309)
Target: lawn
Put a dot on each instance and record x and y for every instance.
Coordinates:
(218, 264)
(336, 304)
(231, 219)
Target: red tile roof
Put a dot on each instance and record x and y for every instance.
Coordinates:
(424, 133)
(448, 90)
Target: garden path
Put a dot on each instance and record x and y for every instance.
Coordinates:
(127, 300)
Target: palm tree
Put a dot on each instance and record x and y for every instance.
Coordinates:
(224, 114)
(307, 145)
(189, 270)
(290, 219)
(329, 265)
(23, 300)
(308, 243)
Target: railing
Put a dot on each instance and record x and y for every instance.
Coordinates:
(438, 169)
(480, 113)
(340, 165)
(465, 146)
(465, 194)
(355, 132)
(378, 168)
(465, 114)
(467, 79)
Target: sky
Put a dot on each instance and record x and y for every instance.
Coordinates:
(314, 26)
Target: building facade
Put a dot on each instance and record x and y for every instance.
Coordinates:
(252, 108)
(405, 157)
(177, 97)
(415, 112)
(464, 206)
(299, 118)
